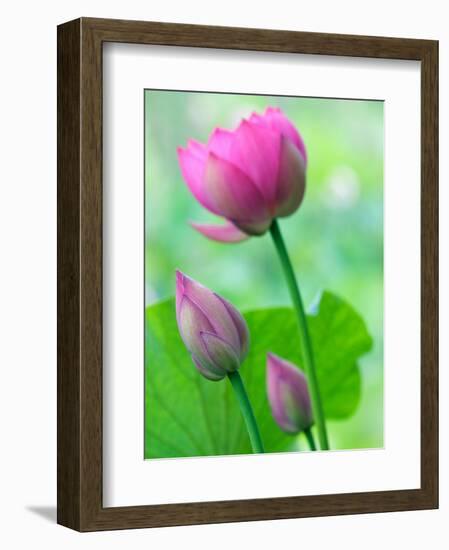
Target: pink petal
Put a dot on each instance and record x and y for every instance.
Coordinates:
(258, 119)
(240, 325)
(220, 143)
(291, 179)
(197, 148)
(192, 162)
(210, 372)
(191, 322)
(254, 228)
(276, 120)
(226, 233)
(221, 353)
(255, 150)
(232, 193)
(179, 292)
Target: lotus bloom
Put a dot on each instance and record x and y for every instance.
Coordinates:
(248, 176)
(288, 395)
(212, 329)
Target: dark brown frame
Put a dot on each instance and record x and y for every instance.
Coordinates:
(80, 274)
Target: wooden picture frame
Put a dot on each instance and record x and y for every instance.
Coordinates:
(80, 503)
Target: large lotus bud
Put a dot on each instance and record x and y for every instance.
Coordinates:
(212, 329)
(249, 176)
(288, 395)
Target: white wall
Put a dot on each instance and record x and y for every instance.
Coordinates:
(28, 272)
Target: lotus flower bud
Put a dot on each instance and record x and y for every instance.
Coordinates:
(248, 176)
(288, 395)
(212, 329)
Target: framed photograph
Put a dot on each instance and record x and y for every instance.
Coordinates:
(247, 274)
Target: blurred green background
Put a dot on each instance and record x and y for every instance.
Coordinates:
(335, 239)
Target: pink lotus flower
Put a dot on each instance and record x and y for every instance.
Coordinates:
(212, 329)
(248, 176)
(288, 395)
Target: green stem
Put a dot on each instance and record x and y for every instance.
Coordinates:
(310, 440)
(309, 363)
(247, 411)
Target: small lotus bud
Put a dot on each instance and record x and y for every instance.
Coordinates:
(288, 395)
(212, 329)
